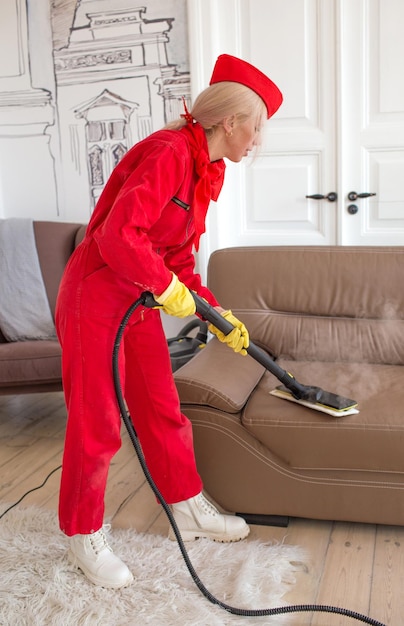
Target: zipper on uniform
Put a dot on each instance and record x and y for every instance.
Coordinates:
(180, 203)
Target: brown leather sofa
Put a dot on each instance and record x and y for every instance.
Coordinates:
(35, 365)
(333, 317)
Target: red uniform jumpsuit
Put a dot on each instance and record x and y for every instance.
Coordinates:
(149, 216)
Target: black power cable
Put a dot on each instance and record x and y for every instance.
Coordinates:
(30, 491)
(146, 299)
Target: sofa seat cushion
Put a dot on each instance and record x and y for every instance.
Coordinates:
(219, 378)
(26, 362)
(372, 440)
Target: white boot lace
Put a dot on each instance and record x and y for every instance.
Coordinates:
(206, 506)
(99, 541)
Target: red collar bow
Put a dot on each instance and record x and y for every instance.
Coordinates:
(210, 175)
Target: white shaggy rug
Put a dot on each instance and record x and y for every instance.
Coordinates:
(38, 587)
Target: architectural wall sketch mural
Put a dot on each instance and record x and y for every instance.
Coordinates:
(85, 80)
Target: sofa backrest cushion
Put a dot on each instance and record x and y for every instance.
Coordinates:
(55, 242)
(327, 303)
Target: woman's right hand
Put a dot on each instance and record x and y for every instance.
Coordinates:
(177, 299)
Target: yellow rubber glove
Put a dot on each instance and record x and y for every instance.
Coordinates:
(238, 339)
(177, 299)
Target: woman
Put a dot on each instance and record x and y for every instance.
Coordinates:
(140, 238)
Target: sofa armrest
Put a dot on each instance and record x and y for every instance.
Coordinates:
(219, 378)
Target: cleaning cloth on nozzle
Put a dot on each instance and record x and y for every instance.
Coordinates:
(285, 394)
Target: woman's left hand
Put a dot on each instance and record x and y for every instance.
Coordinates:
(237, 339)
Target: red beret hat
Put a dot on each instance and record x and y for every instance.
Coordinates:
(229, 68)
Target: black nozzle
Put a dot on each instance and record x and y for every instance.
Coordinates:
(148, 300)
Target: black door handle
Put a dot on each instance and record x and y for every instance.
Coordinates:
(352, 196)
(331, 197)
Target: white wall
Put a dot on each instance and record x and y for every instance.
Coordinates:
(58, 72)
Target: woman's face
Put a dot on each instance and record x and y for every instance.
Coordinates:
(243, 138)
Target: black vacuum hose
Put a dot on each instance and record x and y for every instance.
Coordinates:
(146, 299)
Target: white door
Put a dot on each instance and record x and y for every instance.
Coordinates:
(339, 130)
(371, 113)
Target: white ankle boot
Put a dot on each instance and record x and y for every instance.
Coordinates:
(197, 517)
(93, 555)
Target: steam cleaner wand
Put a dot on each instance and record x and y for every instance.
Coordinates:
(146, 299)
(313, 397)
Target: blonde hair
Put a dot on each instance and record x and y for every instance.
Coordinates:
(221, 100)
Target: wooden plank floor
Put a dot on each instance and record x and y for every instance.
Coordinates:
(356, 566)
